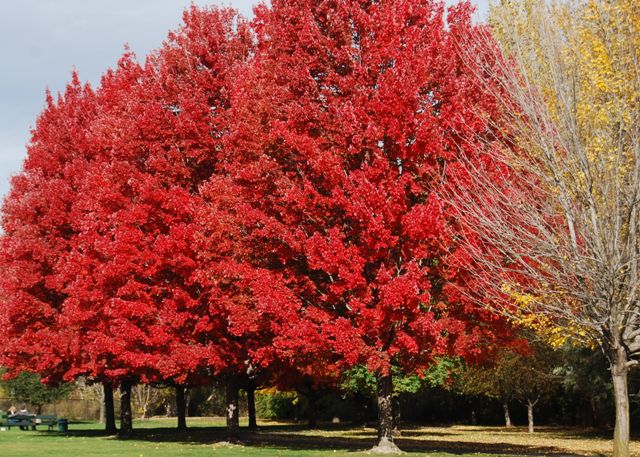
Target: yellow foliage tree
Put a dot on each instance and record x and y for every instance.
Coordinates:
(564, 235)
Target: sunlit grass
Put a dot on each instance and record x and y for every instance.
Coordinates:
(158, 438)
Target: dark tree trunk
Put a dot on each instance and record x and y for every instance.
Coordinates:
(360, 417)
(312, 413)
(233, 421)
(181, 409)
(593, 411)
(619, 372)
(385, 416)
(109, 409)
(297, 412)
(530, 405)
(251, 406)
(507, 416)
(126, 422)
(395, 405)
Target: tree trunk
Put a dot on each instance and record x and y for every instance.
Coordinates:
(109, 409)
(395, 407)
(181, 409)
(126, 422)
(507, 416)
(312, 413)
(385, 416)
(102, 408)
(530, 406)
(619, 375)
(187, 399)
(298, 411)
(594, 412)
(233, 421)
(251, 406)
(360, 416)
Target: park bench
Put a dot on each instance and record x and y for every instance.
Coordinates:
(49, 421)
(24, 421)
(31, 421)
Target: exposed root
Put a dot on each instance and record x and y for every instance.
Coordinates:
(386, 446)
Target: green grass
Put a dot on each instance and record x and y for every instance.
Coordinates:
(157, 438)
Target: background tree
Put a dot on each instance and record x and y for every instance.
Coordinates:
(494, 381)
(360, 384)
(146, 398)
(535, 377)
(552, 208)
(28, 389)
(528, 377)
(585, 374)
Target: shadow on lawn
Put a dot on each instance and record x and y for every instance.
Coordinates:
(561, 432)
(298, 437)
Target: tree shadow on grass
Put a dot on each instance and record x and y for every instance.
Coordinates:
(560, 432)
(406, 433)
(298, 437)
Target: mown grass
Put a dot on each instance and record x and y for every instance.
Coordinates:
(157, 438)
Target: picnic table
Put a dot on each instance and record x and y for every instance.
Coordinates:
(27, 421)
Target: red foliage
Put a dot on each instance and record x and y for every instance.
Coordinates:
(272, 204)
(135, 267)
(342, 127)
(39, 234)
(122, 280)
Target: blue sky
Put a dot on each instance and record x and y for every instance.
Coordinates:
(41, 41)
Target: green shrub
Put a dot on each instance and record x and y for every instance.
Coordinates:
(272, 404)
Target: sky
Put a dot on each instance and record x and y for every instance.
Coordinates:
(41, 41)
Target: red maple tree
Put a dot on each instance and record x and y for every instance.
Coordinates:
(99, 228)
(38, 235)
(341, 128)
(135, 265)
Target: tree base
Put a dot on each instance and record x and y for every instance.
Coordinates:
(386, 446)
(226, 444)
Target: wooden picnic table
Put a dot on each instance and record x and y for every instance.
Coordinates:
(27, 421)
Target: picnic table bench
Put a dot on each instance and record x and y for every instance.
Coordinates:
(49, 421)
(27, 421)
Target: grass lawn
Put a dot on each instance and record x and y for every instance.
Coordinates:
(156, 438)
